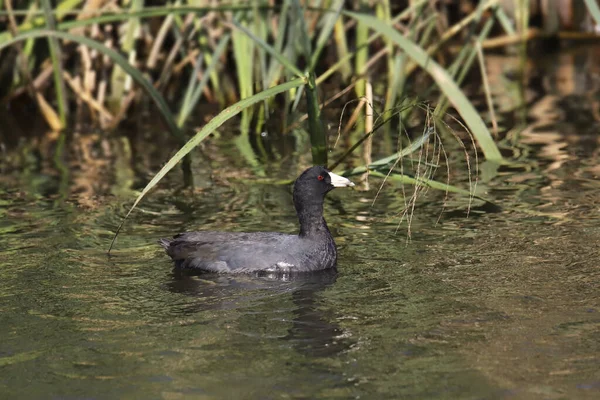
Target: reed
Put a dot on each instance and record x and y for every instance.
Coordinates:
(209, 128)
(254, 59)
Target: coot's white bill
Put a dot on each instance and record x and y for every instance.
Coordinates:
(339, 181)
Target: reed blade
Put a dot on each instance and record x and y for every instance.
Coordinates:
(444, 81)
(209, 128)
(57, 69)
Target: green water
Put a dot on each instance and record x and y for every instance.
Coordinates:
(502, 304)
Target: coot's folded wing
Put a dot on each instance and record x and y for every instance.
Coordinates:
(233, 252)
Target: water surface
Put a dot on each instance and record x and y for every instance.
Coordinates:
(502, 303)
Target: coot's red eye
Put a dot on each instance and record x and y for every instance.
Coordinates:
(320, 177)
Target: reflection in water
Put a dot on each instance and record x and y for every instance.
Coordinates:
(556, 119)
(312, 333)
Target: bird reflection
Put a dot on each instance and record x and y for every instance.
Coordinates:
(311, 330)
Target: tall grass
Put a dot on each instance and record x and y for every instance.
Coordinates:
(260, 41)
(209, 128)
(254, 57)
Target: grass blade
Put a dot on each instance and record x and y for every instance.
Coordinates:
(330, 19)
(440, 75)
(429, 183)
(362, 54)
(56, 57)
(120, 80)
(209, 128)
(341, 42)
(243, 52)
(269, 49)
(274, 69)
(462, 64)
(186, 104)
(318, 138)
(414, 146)
(191, 102)
(345, 59)
(301, 32)
(505, 21)
(594, 10)
(31, 21)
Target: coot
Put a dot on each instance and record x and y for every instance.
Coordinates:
(239, 252)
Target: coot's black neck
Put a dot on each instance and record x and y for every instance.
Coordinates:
(310, 216)
(312, 223)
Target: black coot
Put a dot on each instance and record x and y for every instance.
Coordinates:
(238, 252)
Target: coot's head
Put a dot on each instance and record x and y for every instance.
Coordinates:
(312, 185)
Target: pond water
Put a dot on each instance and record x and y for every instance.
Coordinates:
(502, 303)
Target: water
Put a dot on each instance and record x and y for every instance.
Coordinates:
(502, 304)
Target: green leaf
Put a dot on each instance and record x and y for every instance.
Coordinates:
(442, 78)
(427, 182)
(329, 20)
(414, 146)
(192, 96)
(57, 69)
(592, 6)
(269, 49)
(301, 31)
(209, 128)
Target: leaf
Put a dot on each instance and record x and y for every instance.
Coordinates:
(209, 128)
(329, 20)
(427, 182)
(414, 146)
(592, 7)
(269, 49)
(193, 95)
(442, 78)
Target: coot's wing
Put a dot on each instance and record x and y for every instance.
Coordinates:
(234, 252)
(222, 237)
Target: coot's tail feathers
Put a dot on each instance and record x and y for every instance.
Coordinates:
(165, 243)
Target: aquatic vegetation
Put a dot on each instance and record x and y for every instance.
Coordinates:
(265, 61)
(265, 44)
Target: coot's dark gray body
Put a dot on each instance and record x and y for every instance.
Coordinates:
(312, 249)
(247, 252)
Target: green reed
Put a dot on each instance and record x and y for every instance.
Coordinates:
(252, 57)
